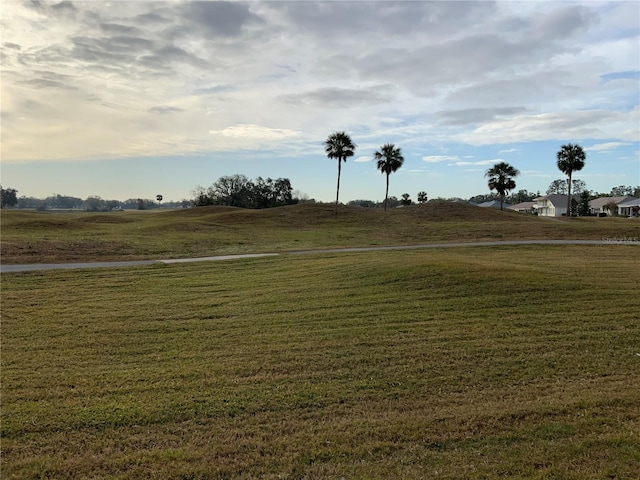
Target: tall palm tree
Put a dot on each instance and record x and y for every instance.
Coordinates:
(339, 146)
(570, 159)
(389, 160)
(501, 179)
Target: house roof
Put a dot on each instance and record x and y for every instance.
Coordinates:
(493, 204)
(556, 199)
(522, 206)
(602, 201)
(632, 202)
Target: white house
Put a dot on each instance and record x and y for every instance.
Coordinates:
(629, 208)
(551, 205)
(523, 207)
(600, 204)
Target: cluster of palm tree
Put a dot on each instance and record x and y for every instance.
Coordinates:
(570, 158)
(340, 146)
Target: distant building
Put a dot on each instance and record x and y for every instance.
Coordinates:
(493, 204)
(523, 207)
(600, 205)
(629, 208)
(551, 205)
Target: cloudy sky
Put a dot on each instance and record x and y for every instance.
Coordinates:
(133, 99)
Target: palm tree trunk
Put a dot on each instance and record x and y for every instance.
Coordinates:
(569, 197)
(386, 194)
(338, 187)
(501, 200)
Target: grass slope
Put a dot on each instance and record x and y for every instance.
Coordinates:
(518, 362)
(37, 237)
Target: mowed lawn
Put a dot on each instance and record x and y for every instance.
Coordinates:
(466, 363)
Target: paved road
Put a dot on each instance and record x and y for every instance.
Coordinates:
(68, 266)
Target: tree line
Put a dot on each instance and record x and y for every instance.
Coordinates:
(92, 203)
(239, 191)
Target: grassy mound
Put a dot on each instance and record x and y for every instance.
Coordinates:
(37, 237)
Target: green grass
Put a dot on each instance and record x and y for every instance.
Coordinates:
(46, 237)
(519, 362)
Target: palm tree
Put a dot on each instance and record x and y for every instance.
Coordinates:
(570, 159)
(389, 160)
(501, 179)
(339, 146)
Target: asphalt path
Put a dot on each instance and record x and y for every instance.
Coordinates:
(135, 263)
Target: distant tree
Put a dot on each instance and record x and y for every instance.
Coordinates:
(339, 146)
(422, 197)
(557, 187)
(269, 193)
(63, 202)
(8, 197)
(389, 159)
(239, 191)
(282, 192)
(111, 204)
(624, 190)
(405, 199)
(232, 190)
(612, 208)
(570, 158)
(522, 196)
(362, 203)
(141, 204)
(583, 207)
(501, 177)
(201, 197)
(301, 197)
(578, 186)
(392, 202)
(95, 204)
(482, 198)
(29, 202)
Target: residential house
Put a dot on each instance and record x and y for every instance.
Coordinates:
(523, 207)
(551, 205)
(601, 204)
(493, 204)
(629, 208)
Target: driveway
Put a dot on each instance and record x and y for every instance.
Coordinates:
(134, 263)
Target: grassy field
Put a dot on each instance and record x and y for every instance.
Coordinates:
(48, 237)
(469, 363)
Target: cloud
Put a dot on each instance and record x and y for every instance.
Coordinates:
(330, 97)
(248, 131)
(604, 147)
(363, 159)
(476, 115)
(508, 150)
(165, 109)
(595, 124)
(226, 19)
(478, 163)
(424, 75)
(440, 158)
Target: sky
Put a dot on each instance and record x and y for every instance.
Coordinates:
(134, 99)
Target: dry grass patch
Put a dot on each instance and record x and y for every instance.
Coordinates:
(469, 363)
